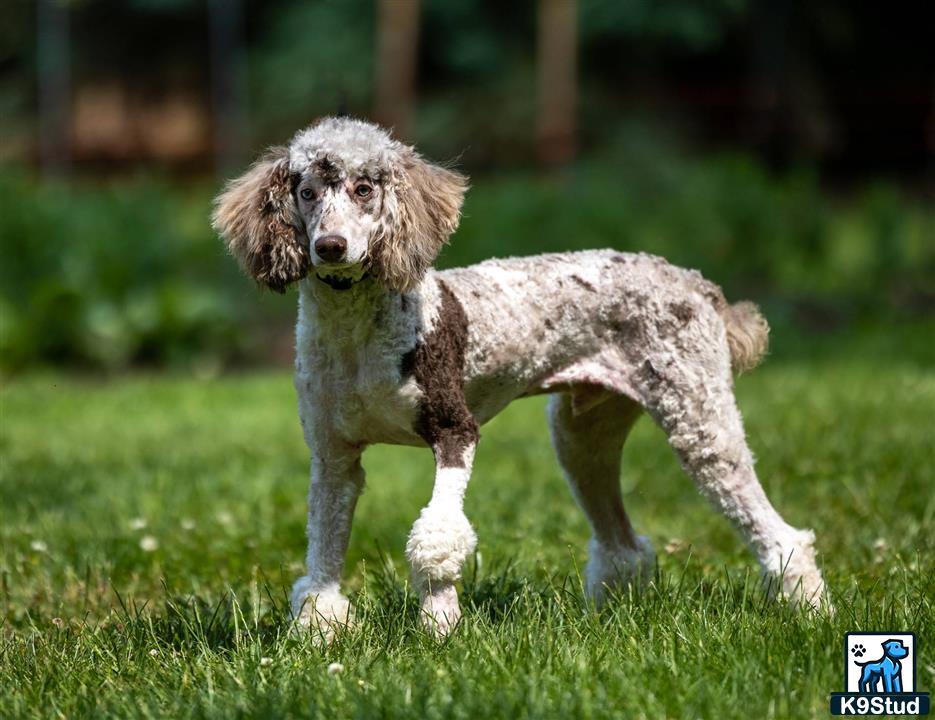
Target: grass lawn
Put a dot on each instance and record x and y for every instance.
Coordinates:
(150, 529)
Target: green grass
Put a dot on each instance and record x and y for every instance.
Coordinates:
(96, 625)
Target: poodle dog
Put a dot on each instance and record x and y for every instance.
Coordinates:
(389, 350)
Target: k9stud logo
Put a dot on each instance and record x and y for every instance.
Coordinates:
(880, 676)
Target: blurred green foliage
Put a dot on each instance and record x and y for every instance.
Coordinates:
(130, 273)
(768, 237)
(106, 276)
(309, 60)
(677, 23)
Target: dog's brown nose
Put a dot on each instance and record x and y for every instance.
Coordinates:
(331, 248)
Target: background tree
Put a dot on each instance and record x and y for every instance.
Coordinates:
(396, 55)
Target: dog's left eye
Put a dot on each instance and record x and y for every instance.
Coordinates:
(363, 190)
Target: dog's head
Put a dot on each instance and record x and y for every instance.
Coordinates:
(343, 199)
(895, 649)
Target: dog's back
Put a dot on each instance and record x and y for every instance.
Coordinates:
(592, 317)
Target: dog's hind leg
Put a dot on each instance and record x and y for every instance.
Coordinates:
(589, 446)
(691, 398)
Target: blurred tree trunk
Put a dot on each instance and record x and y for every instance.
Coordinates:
(52, 51)
(228, 83)
(397, 53)
(556, 70)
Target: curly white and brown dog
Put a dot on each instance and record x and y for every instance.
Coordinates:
(389, 350)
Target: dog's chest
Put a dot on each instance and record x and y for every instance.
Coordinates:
(360, 393)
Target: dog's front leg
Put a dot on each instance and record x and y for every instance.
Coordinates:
(442, 538)
(317, 601)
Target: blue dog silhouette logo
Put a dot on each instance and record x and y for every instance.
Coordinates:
(879, 676)
(883, 675)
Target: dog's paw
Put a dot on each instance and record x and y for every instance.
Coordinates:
(322, 614)
(440, 610)
(610, 568)
(800, 578)
(440, 542)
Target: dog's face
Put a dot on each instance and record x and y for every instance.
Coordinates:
(895, 649)
(343, 199)
(347, 209)
(341, 213)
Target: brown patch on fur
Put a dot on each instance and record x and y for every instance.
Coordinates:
(328, 171)
(583, 283)
(422, 209)
(437, 363)
(651, 373)
(257, 217)
(682, 310)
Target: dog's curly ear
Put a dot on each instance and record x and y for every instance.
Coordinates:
(258, 219)
(421, 209)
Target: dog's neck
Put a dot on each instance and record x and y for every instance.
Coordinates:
(355, 315)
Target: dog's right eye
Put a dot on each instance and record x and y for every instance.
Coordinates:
(307, 194)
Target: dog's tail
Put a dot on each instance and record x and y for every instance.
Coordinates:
(747, 334)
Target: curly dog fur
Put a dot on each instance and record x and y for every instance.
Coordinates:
(389, 350)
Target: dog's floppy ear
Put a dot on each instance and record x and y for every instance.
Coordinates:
(421, 210)
(258, 219)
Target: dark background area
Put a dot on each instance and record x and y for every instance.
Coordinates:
(786, 149)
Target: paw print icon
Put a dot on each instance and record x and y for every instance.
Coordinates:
(858, 650)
